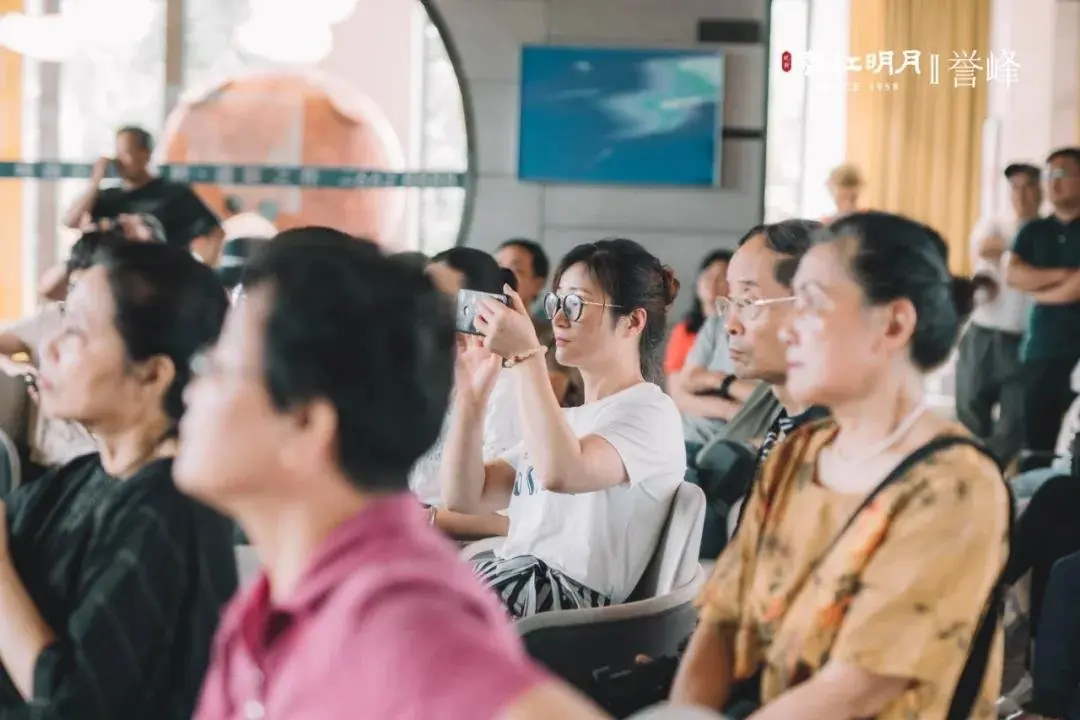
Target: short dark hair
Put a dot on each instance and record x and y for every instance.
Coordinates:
(142, 138)
(1021, 168)
(479, 269)
(365, 332)
(632, 278)
(540, 265)
(897, 257)
(84, 252)
(791, 238)
(695, 317)
(1069, 153)
(167, 303)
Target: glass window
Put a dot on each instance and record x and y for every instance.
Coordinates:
(789, 33)
(115, 76)
(351, 109)
(377, 92)
(443, 145)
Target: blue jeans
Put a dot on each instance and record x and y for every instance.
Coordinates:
(1025, 484)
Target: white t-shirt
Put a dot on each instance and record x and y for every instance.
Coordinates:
(604, 539)
(501, 432)
(248, 225)
(1008, 310)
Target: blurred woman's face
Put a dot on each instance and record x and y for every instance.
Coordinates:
(85, 375)
(834, 340)
(711, 284)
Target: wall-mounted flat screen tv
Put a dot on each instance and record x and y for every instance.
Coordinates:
(620, 116)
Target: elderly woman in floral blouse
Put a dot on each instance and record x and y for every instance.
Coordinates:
(859, 583)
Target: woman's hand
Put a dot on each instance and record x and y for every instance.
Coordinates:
(508, 330)
(476, 370)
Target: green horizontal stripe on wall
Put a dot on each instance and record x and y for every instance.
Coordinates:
(273, 175)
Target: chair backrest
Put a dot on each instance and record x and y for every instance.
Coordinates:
(15, 406)
(733, 517)
(10, 464)
(676, 558)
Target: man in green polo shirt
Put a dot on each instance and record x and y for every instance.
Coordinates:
(1045, 263)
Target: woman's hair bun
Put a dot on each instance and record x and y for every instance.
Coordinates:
(963, 295)
(671, 284)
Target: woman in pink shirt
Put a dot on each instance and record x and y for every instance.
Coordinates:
(330, 379)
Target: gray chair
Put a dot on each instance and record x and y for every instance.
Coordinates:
(733, 517)
(247, 564)
(654, 621)
(15, 411)
(10, 464)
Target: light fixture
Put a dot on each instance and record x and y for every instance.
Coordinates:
(298, 42)
(45, 39)
(56, 37)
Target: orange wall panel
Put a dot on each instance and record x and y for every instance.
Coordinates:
(11, 191)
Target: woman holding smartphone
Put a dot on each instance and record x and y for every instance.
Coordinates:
(589, 488)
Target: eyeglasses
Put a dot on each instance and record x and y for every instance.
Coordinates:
(746, 308)
(571, 304)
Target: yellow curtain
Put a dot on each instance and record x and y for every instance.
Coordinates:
(920, 144)
(11, 191)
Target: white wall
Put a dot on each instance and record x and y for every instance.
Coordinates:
(680, 226)
(1039, 111)
(826, 106)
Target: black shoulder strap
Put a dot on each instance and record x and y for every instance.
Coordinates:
(917, 456)
(971, 677)
(970, 683)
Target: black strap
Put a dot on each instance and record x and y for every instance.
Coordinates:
(917, 456)
(970, 682)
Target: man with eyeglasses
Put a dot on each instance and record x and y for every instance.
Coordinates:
(706, 390)
(760, 277)
(1045, 263)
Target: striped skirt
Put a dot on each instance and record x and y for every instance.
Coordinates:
(527, 586)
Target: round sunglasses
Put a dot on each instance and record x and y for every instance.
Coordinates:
(571, 304)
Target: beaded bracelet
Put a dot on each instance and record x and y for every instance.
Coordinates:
(517, 359)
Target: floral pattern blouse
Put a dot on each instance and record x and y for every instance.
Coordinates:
(900, 595)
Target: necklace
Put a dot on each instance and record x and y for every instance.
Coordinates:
(902, 429)
(143, 459)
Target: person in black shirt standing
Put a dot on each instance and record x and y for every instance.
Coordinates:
(1045, 263)
(111, 581)
(186, 220)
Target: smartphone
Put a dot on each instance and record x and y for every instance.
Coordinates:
(466, 309)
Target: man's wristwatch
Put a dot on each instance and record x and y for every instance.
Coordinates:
(725, 387)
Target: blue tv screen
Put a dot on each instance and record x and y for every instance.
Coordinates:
(620, 116)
